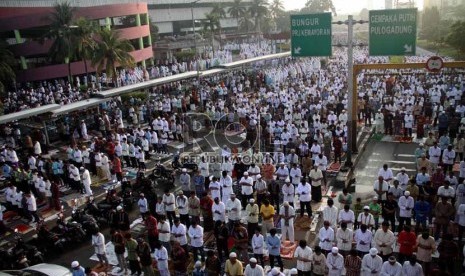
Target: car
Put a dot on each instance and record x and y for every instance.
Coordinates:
(39, 270)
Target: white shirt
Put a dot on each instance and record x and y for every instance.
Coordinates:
(403, 180)
(218, 211)
(288, 193)
(215, 189)
(405, 203)
(304, 192)
(164, 237)
(196, 236)
(143, 205)
(387, 238)
(461, 215)
(347, 236)
(409, 270)
(31, 203)
(226, 185)
(86, 180)
(295, 174)
(368, 220)
(347, 216)
(234, 214)
(245, 188)
(169, 202)
(449, 192)
(258, 243)
(98, 242)
(434, 154)
(386, 174)
(335, 264)
(330, 214)
(360, 237)
(179, 230)
(326, 234)
(370, 263)
(161, 256)
(181, 204)
(306, 253)
(391, 270)
(257, 271)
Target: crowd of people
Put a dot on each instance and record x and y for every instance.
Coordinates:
(250, 199)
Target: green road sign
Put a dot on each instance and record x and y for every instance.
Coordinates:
(393, 32)
(311, 35)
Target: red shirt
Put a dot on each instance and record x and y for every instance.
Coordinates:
(117, 165)
(407, 241)
(151, 225)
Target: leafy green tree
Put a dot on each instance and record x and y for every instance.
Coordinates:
(456, 37)
(112, 51)
(316, 6)
(276, 8)
(237, 11)
(154, 31)
(83, 38)
(219, 12)
(7, 61)
(245, 22)
(258, 9)
(211, 25)
(430, 21)
(61, 32)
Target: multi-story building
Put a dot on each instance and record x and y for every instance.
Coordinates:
(24, 22)
(442, 4)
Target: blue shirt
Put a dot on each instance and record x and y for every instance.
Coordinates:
(421, 179)
(422, 209)
(6, 171)
(79, 272)
(273, 242)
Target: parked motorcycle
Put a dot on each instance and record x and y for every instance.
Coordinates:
(161, 171)
(185, 163)
(88, 222)
(50, 240)
(20, 255)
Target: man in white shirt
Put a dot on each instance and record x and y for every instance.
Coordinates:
(347, 216)
(253, 269)
(233, 209)
(288, 191)
(86, 181)
(143, 204)
(32, 207)
(98, 242)
(403, 179)
(412, 267)
(183, 208)
(218, 210)
(282, 172)
(330, 213)
(164, 233)
(304, 255)
(195, 233)
(178, 231)
(363, 238)
(386, 173)
(161, 255)
(406, 204)
(344, 238)
(295, 175)
(326, 237)
(381, 188)
(246, 184)
(366, 218)
(434, 153)
(391, 268)
(446, 191)
(258, 245)
(371, 263)
(304, 192)
(226, 186)
(215, 188)
(287, 215)
(384, 240)
(335, 262)
(170, 204)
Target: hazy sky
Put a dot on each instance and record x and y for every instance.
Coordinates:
(346, 6)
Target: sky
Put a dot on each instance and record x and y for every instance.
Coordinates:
(346, 6)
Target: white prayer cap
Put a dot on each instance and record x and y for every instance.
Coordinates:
(334, 250)
(373, 251)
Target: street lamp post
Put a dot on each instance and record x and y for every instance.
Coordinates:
(197, 64)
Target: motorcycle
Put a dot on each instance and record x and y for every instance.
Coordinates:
(100, 215)
(51, 240)
(88, 222)
(185, 164)
(21, 255)
(128, 200)
(161, 171)
(72, 231)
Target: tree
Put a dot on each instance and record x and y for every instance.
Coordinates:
(7, 61)
(430, 24)
(60, 31)
(211, 25)
(456, 37)
(219, 13)
(315, 6)
(112, 51)
(83, 38)
(153, 31)
(237, 10)
(258, 9)
(245, 22)
(276, 9)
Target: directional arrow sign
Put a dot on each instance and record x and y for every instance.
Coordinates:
(311, 35)
(393, 32)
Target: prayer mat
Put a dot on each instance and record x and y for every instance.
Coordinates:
(209, 240)
(9, 215)
(288, 249)
(302, 223)
(23, 228)
(334, 167)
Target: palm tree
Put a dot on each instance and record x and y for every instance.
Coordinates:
(258, 9)
(237, 10)
(210, 25)
(7, 60)
(245, 22)
(315, 6)
(60, 32)
(276, 8)
(83, 38)
(112, 51)
(220, 13)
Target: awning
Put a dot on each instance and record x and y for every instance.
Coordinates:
(212, 72)
(77, 106)
(28, 113)
(251, 60)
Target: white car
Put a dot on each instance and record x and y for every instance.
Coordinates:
(39, 270)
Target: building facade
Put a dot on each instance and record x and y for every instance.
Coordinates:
(23, 22)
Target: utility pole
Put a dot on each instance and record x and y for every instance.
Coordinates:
(352, 104)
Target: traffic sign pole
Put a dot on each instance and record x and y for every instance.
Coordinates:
(311, 35)
(352, 103)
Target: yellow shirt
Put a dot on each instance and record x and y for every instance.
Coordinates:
(233, 269)
(267, 212)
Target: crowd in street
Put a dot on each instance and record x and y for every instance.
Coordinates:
(295, 120)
